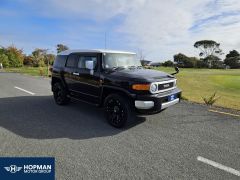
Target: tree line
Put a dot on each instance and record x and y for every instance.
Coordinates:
(14, 57)
(209, 52)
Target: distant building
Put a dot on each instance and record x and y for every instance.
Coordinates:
(155, 64)
(145, 62)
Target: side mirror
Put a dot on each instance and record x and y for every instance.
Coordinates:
(89, 65)
(177, 71)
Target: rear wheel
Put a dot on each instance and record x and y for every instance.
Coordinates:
(117, 110)
(60, 94)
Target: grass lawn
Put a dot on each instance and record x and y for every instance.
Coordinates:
(195, 83)
(198, 83)
(34, 71)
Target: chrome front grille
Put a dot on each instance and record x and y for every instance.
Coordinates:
(165, 86)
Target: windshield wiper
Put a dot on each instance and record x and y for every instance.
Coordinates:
(139, 67)
(117, 67)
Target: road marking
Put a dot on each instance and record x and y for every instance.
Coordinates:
(220, 112)
(24, 90)
(218, 165)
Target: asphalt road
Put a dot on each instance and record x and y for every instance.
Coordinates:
(169, 145)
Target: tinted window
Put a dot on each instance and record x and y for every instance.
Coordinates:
(60, 61)
(83, 59)
(120, 60)
(72, 60)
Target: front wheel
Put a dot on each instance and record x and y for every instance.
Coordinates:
(117, 110)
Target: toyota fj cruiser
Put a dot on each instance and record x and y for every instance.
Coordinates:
(114, 80)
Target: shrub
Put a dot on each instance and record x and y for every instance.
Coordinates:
(41, 63)
(211, 99)
(168, 63)
(4, 60)
(15, 56)
(41, 71)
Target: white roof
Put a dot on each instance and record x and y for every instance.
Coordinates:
(67, 52)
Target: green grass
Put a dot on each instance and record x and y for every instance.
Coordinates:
(34, 71)
(198, 83)
(195, 83)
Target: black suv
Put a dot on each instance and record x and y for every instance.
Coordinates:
(114, 80)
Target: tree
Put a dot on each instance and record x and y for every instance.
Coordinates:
(61, 47)
(38, 57)
(168, 63)
(233, 59)
(185, 61)
(201, 64)
(49, 59)
(233, 53)
(208, 48)
(28, 60)
(15, 56)
(213, 62)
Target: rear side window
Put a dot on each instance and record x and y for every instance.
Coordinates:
(72, 60)
(60, 61)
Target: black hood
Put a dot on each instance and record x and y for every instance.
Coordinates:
(142, 74)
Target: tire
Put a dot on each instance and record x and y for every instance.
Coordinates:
(117, 110)
(60, 94)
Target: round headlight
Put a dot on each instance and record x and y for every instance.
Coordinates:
(153, 88)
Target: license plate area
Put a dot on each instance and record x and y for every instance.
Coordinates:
(172, 97)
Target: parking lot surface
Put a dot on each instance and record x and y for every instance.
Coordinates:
(185, 141)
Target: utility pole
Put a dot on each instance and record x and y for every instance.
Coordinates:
(105, 40)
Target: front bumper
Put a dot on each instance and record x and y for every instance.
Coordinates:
(150, 104)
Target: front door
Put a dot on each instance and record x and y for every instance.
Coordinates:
(87, 85)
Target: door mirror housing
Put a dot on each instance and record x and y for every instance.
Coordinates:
(89, 65)
(177, 71)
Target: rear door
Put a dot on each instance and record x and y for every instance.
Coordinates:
(70, 71)
(87, 85)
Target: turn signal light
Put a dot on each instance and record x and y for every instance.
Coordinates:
(141, 87)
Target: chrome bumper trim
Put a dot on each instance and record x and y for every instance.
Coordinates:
(170, 103)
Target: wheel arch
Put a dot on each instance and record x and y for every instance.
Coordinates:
(107, 90)
(57, 79)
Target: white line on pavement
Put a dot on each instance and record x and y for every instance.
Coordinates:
(24, 90)
(218, 165)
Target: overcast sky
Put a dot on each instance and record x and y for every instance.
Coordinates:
(159, 28)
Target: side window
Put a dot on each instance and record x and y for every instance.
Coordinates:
(60, 61)
(72, 60)
(83, 60)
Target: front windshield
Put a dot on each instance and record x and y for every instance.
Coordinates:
(115, 60)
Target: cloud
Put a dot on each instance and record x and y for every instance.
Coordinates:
(160, 28)
(163, 28)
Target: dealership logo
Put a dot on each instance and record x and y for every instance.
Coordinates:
(30, 169)
(13, 169)
(27, 168)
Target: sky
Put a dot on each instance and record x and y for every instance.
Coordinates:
(156, 28)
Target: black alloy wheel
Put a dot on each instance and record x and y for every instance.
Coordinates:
(117, 110)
